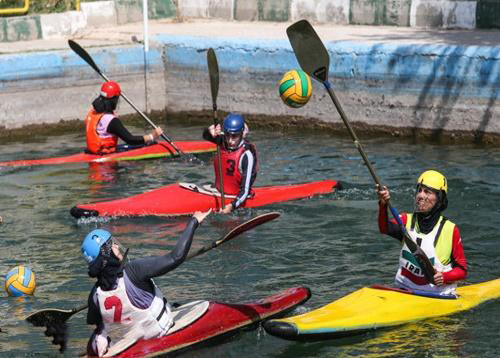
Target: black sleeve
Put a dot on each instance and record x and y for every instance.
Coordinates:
(394, 230)
(207, 136)
(93, 313)
(117, 128)
(142, 270)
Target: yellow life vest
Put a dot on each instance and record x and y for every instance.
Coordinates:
(443, 241)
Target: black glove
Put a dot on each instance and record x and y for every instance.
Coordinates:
(59, 332)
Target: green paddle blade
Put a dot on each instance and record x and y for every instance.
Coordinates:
(309, 50)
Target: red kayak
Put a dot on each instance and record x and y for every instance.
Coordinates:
(185, 199)
(216, 320)
(157, 150)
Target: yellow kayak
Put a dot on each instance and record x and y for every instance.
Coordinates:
(374, 307)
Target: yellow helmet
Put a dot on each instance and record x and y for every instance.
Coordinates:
(433, 180)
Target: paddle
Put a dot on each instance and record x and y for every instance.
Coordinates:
(315, 61)
(247, 225)
(213, 71)
(86, 57)
(51, 317)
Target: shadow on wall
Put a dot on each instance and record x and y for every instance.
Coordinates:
(445, 37)
(453, 86)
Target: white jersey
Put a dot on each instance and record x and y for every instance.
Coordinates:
(407, 261)
(125, 324)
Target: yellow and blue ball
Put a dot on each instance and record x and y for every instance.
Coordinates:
(295, 88)
(20, 281)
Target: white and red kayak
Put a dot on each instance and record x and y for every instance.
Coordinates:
(157, 150)
(200, 321)
(185, 199)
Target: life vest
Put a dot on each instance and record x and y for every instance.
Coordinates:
(231, 169)
(437, 245)
(99, 141)
(125, 324)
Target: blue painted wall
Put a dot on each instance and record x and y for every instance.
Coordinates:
(423, 86)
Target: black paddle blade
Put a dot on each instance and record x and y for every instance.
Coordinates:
(309, 50)
(213, 71)
(44, 317)
(54, 321)
(84, 55)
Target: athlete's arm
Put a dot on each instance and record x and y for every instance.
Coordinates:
(389, 227)
(247, 177)
(140, 271)
(458, 261)
(117, 128)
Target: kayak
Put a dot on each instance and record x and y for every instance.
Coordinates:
(185, 199)
(213, 320)
(375, 307)
(157, 150)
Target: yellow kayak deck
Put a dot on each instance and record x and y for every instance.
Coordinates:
(370, 308)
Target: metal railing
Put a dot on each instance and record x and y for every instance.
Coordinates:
(23, 10)
(16, 11)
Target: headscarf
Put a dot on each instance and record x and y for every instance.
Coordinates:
(105, 105)
(107, 268)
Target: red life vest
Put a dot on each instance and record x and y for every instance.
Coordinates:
(230, 168)
(98, 144)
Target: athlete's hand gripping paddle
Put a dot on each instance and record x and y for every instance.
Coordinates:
(315, 61)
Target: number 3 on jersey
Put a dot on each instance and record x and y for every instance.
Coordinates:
(231, 165)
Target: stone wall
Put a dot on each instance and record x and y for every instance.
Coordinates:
(435, 87)
(445, 14)
(61, 86)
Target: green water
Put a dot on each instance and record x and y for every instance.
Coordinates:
(329, 243)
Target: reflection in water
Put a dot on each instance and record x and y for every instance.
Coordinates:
(443, 337)
(440, 338)
(13, 310)
(100, 173)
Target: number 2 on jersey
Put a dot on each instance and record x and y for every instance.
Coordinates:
(114, 302)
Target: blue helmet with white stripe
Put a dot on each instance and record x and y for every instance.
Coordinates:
(91, 245)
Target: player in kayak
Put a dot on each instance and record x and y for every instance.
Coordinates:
(125, 304)
(103, 127)
(438, 237)
(239, 159)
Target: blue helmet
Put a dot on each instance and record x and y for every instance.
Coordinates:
(91, 245)
(234, 123)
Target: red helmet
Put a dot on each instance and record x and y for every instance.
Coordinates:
(110, 89)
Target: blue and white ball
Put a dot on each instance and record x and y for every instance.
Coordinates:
(20, 281)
